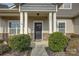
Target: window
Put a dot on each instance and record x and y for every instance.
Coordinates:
(14, 27)
(61, 27)
(66, 6)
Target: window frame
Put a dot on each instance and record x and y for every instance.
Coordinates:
(64, 7)
(60, 21)
(13, 28)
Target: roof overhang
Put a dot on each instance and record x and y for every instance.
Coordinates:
(39, 6)
(9, 10)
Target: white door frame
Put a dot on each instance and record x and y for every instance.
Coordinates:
(37, 21)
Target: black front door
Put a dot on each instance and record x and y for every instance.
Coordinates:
(38, 31)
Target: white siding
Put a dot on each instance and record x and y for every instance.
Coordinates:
(3, 26)
(68, 25)
(69, 12)
(45, 25)
(76, 25)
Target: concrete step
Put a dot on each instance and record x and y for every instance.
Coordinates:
(39, 50)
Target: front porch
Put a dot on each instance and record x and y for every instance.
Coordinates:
(37, 20)
(47, 20)
(25, 24)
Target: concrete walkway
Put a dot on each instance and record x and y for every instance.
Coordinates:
(39, 49)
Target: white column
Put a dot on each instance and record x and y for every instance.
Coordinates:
(50, 22)
(21, 22)
(54, 22)
(26, 23)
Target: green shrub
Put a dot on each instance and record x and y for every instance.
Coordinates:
(4, 48)
(57, 41)
(19, 42)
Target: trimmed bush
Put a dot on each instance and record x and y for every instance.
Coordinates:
(19, 42)
(57, 41)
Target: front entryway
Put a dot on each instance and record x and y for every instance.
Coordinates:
(38, 30)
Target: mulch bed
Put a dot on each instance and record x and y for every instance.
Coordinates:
(50, 53)
(15, 53)
(64, 53)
